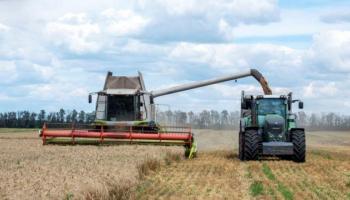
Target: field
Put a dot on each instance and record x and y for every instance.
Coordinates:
(29, 170)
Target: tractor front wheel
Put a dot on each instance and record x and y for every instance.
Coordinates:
(298, 139)
(251, 145)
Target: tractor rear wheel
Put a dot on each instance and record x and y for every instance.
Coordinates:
(251, 145)
(241, 146)
(298, 139)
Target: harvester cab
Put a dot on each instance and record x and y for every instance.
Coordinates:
(268, 128)
(122, 100)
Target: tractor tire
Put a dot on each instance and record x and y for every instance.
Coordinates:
(251, 145)
(298, 139)
(241, 146)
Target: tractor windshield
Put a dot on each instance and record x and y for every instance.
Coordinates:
(271, 106)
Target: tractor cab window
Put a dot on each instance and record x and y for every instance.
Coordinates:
(271, 106)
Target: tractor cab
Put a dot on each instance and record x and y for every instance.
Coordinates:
(271, 115)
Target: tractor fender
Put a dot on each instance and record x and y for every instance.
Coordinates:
(294, 129)
(251, 128)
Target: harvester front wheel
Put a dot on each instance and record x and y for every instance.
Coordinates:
(251, 145)
(298, 139)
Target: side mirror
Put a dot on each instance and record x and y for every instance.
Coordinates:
(90, 98)
(301, 105)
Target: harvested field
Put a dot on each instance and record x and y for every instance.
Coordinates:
(218, 174)
(29, 170)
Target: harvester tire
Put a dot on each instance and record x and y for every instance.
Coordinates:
(241, 146)
(298, 139)
(251, 145)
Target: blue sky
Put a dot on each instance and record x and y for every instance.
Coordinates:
(53, 53)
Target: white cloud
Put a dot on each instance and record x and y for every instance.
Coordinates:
(57, 91)
(233, 57)
(331, 50)
(293, 22)
(76, 31)
(46, 72)
(320, 89)
(8, 72)
(124, 22)
(86, 32)
(225, 29)
(236, 11)
(4, 27)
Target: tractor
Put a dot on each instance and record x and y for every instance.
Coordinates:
(269, 128)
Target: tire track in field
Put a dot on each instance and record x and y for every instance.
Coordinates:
(214, 175)
(220, 175)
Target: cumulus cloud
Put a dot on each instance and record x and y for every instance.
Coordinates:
(75, 31)
(233, 57)
(331, 50)
(124, 22)
(235, 11)
(83, 33)
(204, 21)
(320, 89)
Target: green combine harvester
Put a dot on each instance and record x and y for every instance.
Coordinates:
(268, 128)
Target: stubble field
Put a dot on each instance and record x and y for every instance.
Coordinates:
(29, 170)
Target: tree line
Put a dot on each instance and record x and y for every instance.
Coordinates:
(26, 119)
(206, 119)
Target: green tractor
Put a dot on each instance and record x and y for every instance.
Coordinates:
(268, 128)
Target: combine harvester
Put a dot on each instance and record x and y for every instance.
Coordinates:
(125, 112)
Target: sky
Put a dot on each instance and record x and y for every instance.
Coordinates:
(53, 53)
